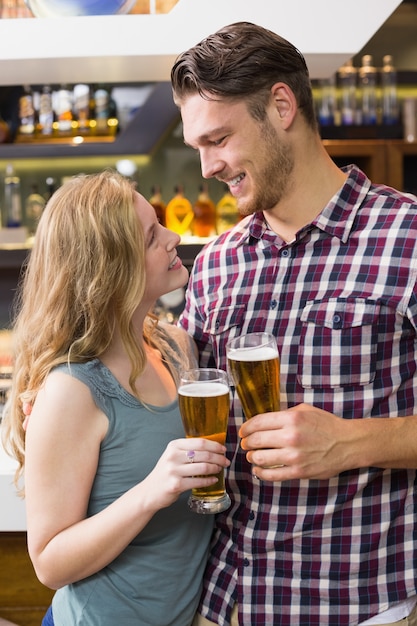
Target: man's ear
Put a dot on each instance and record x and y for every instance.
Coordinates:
(285, 103)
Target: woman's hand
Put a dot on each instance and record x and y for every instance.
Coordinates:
(185, 464)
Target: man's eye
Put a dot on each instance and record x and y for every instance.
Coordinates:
(217, 142)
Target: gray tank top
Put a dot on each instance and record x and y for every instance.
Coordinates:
(156, 581)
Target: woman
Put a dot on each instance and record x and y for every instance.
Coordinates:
(105, 460)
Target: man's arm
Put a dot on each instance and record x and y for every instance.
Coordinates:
(308, 443)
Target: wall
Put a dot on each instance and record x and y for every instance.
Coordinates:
(397, 36)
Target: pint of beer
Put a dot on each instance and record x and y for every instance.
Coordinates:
(204, 403)
(253, 364)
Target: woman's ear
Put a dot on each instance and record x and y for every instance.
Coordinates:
(285, 103)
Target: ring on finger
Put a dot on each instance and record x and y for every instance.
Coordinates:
(190, 454)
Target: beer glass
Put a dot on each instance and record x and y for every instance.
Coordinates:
(204, 401)
(253, 364)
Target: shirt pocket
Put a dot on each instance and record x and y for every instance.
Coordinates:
(338, 343)
(222, 325)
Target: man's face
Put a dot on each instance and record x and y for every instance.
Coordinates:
(250, 156)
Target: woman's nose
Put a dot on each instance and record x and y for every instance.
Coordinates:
(172, 239)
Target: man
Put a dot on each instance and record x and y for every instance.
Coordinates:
(327, 262)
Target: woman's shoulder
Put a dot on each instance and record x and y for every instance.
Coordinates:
(61, 390)
(83, 371)
(93, 375)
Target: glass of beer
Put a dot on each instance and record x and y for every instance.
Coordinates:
(204, 401)
(253, 363)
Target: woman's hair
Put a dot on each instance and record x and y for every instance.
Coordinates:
(243, 60)
(84, 279)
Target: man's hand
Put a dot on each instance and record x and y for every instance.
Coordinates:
(300, 443)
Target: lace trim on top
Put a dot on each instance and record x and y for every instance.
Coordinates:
(106, 385)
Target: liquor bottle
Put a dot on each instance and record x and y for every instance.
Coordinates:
(158, 204)
(179, 213)
(227, 212)
(204, 223)
(12, 198)
(113, 120)
(368, 91)
(36, 94)
(81, 107)
(101, 109)
(46, 112)
(327, 109)
(347, 81)
(390, 111)
(63, 110)
(34, 205)
(26, 127)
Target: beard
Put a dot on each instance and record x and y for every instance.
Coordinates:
(273, 177)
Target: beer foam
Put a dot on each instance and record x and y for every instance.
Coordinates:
(203, 390)
(261, 353)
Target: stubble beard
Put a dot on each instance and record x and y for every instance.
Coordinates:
(274, 176)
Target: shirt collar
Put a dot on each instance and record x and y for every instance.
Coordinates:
(336, 218)
(339, 214)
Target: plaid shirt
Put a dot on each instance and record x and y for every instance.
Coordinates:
(342, 301)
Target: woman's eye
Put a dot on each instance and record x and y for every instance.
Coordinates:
(152, 237)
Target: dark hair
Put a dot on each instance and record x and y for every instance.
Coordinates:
(243, 60)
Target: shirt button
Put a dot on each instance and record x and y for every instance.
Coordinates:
(273, 304)
(246, 562)
(337, 321)
(251, 515)
(285, 252)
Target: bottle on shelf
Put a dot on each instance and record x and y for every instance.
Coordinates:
(36, 92)
(27, 121)
(101, 109)
(158, 204)
(227, 213)
(12, 198)
(62, 101)
(81, 97)
(113, 121)
(204, 223)
(46, 112)
(368, 90)
(327, 109)
(179, 213)
(390, 110)
(34, 205)
(347, 78)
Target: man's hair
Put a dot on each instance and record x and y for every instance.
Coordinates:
(243, 60)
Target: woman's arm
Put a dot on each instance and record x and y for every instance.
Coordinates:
(62, 451)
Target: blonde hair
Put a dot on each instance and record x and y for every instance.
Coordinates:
(85, 277)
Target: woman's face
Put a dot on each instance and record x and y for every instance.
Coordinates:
(164, 269)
